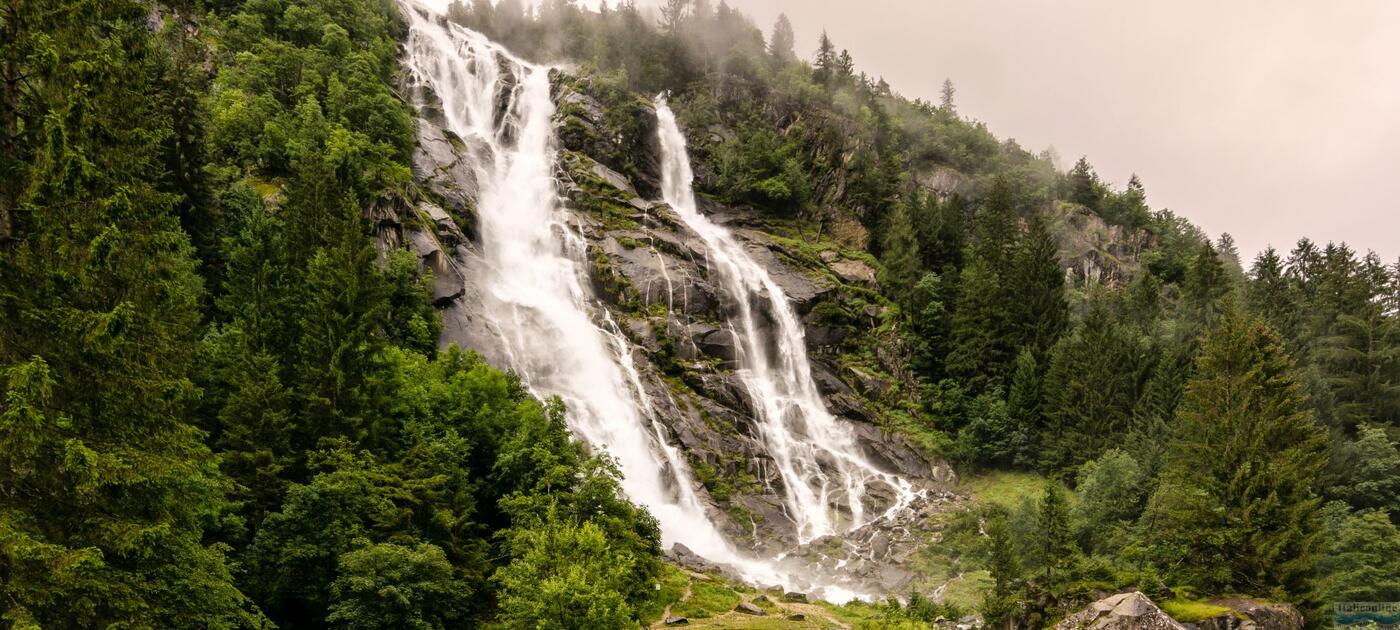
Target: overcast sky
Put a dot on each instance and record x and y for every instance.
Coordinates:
(1270, 120)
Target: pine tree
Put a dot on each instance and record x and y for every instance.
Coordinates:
(1084, 186)
(1054, 539)
(1235, 510)
(824, 67)
(1038, 287)
(1272, 296)
(994, 228)
(981, 331)
(106, 486)
(999, 604)
(1024, 407)
(1205, 290)
(673, 13)
(1090, 388)
(899, 255)
(780, 44)
(945, 101)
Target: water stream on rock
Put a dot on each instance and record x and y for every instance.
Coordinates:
(534, 276)
(552, 331)
(820, 462)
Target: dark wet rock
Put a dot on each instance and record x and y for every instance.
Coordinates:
(821, 338)
(796, 617)
(448, 282)
(682, 556)
(749, 609)
(794, 596)
(827, 381)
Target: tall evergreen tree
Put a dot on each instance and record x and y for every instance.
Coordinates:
(1055, 539)
(1038, 289)
(1090, 388)
(1205, 292)
(1271, 296)
(1235, 510)
(824, 66)
(106, 486)
(780, 43)
(899, 255)
(982, 330)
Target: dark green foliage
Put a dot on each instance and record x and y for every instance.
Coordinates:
(1112, 492)
(1054, 540)
(999, 604)
(982, 343)
(900, 255)
(107, 484)
(1037, 286)
(1362, 563)
(1235, 509)
(1024, 408)
(1205, 289)
(1084, 186)
(1090, 388)
(1366, 471)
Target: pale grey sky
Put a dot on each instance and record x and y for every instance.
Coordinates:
(1270, 120)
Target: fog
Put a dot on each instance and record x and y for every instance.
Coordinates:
(1267, 120)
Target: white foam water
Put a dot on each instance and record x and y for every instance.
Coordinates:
(820, 462)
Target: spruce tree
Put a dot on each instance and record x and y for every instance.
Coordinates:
(1235, 510)
(899, 255)
(1055, 539)
(106, 485)
(1090, 388)
(824, 66)
(780, 44)
(982, 330)
(1271, 296)
(1037, 289)
(1205, 291)
(1023, 407)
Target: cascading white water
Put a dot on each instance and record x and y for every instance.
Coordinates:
(816, 454)
(533, 278)
(551, 330)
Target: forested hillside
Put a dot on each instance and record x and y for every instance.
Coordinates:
(224, 401)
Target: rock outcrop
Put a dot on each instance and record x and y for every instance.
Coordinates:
(1124, 611)
(1249, 614)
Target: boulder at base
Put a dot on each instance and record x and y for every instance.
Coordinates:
(1249, 614)
(1124, 611)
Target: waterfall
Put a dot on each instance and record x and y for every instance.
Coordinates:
(818, 458)
(534, 271)
(548, 327)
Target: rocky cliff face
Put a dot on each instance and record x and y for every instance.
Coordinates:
(650, 272)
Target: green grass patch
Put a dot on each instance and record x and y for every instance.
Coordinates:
(1005, 488)
(1192, 611)
(673, 581)
(706, 600)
